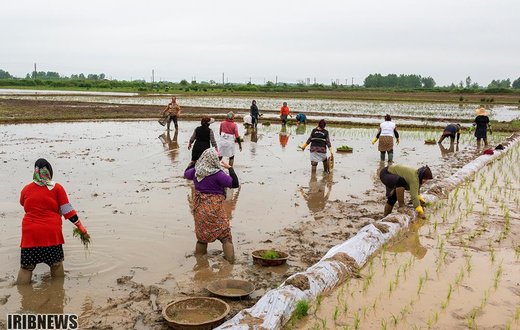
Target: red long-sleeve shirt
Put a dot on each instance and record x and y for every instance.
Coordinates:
(41, 224)
(284, 110)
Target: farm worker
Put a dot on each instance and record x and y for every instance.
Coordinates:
(44, 202)
(385, 135)
(202, 138)
(319, 141)
(482, 125)
(451, 130)
(228, 135)
(253, 111)
(284, 112)
(301, 119)
(211, 220)
(171, 112)
(398, 178)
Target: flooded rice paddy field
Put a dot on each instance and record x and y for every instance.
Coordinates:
(125, 180)
(458, 269)
(327, 107)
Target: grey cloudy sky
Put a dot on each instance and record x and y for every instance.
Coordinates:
(329, 39)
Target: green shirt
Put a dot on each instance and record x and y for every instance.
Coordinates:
(411, 177)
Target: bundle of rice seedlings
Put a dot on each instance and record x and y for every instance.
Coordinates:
(85, 238)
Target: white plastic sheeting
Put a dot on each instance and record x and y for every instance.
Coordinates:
(276, 306)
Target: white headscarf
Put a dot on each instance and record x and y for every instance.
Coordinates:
(208, 164)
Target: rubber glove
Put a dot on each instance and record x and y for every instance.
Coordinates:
(421, 199)
(303, 146)
(80, 226)
(398, 141)
(374, 140)
(420, 211)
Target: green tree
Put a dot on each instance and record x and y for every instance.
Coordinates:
(428, 82)
(5, 74)
(516, 84)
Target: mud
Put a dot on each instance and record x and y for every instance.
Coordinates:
(127, 185)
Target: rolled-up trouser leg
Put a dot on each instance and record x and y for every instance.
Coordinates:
(388, 209)
(399, 192)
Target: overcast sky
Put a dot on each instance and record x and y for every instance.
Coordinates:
(329, 39)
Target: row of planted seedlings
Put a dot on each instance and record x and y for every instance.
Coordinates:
(454, 269)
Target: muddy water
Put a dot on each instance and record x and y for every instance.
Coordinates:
(375, 108)
(127, 185)
(459, 269)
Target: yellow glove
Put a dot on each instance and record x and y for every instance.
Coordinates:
(374, 140)
(421, 199)
(420, 210)
(303, 146)
(398, 140)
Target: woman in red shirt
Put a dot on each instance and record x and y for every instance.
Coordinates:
(44, 202)
(284, 112)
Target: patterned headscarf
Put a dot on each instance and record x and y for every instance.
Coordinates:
(208, 164)
(42, 175)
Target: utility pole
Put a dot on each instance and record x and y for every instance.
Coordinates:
(352, 81)
(222, 78)
(153, 76)
(276, 83)
(35, 70)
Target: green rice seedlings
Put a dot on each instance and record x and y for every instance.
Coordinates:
(395, 320)
(383, 324)
(492, 253)
(85, 238)
(336, 313)
(517, 314)
(365, 309)
(470, 320)
(421, 284)
(319, 299)
(345, 307)
(498, 274)
(402, 313)
(460, 277)
(391, 288)
(356, 320)
(516, 247)
(301, 309)
(323, 323)
(468, 263)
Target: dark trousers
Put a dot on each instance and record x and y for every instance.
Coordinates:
(391, 181)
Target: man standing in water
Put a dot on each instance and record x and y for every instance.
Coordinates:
(171, 113)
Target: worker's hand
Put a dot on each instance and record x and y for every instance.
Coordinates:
(81, 228)
(189, 146)
(374, 140)
(421, 199)
(225, 165)
(398, 141)
(420, 211)
(303, 146)
(240, 148)
(490, 131)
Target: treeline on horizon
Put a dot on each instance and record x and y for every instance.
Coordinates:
(373, 81)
